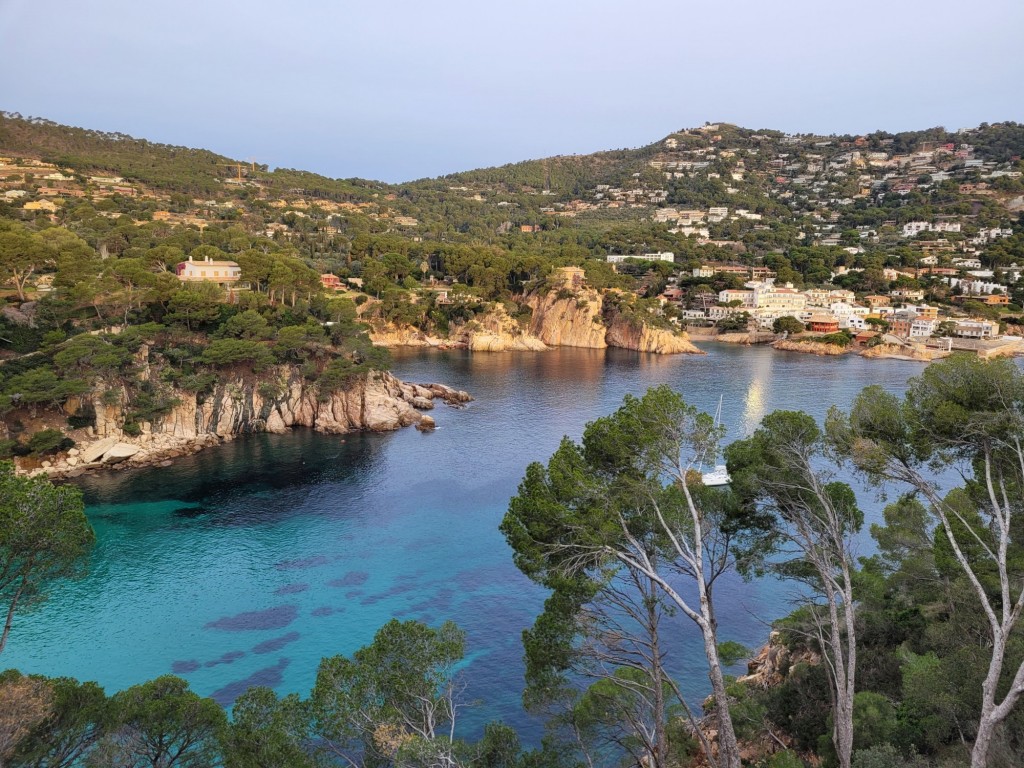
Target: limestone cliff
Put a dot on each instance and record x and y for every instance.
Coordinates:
(647, 338)
(496, 331)
(243, 403)
(390, 335)
(810, 347)
(568, 321)
(580, 318)
(895, 352)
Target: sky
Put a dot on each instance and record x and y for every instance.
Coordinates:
(397, 90)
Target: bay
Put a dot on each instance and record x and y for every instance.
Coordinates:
(247, 563)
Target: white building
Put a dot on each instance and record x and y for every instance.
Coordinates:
(208, 271)
(730, 294)
(975, 328)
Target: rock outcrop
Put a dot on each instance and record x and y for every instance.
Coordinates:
(496, 331)
(810, 347)
(579, 318)
(917, 352)
(568, 321)
(389, 335)
(274, 401)
(647, 338)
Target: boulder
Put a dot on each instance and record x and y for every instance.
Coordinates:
(422, 403)
(93, 452)
(120, 452)
(426, 424)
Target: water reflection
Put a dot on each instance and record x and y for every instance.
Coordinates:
(755, 407)
(335, 535)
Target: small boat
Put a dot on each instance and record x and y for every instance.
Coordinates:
(719, 475)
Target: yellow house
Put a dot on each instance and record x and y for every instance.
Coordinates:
(40, 205)
(208, 271)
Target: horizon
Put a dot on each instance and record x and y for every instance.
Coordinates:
(406, 92)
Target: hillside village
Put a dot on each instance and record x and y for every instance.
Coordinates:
(897, 238)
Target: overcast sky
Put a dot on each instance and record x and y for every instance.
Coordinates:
(405, 89)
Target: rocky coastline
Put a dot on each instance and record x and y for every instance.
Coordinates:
(811, 347)
(243, 403)
(582, 319)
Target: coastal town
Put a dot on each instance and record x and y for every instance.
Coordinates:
(911, 242)
(645, 440)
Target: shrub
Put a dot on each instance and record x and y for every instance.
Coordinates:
(787, 324)
(85, 416)
(838, 339)
(48, 441)
(231, 351)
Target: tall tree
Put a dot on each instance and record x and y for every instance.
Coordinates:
(394, 701)
(629, 491)
(267, 732)
(44, 536)
(967, 415)
(22, 254)
(163, 724)
(25, 702)
(781, 469)
(77, 721)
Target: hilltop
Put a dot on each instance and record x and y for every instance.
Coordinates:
(716, 225)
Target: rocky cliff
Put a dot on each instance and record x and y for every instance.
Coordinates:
(647, 338)
(581, 318)
(585, 319)
(390, 335)
(498, 332)
(810, 347)
(274, 401)
(917, 352)
(568, 321)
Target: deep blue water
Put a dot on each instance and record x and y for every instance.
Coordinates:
(247, 563)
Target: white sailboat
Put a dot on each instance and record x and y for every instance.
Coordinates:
(719, 475)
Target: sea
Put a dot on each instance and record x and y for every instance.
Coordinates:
(247, 563)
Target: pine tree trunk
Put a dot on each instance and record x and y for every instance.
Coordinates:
(728, 750)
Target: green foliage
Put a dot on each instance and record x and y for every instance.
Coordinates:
(840, 339)
(734, 323)
(249, 324)
(785, 759)
(268, 731)
(88, 355)
(787, 324)
(79, 718)
(874, 719)
(41, 386)
(48, 441)
(886, 756)
(224, 352)
(162, 722)
(367, 707)
(44, 537)
(800, 706)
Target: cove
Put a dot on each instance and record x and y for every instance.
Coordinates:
(247, 563)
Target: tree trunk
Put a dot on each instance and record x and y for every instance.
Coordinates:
(728, 750)
(10, 614)
(982, 742)
(660, 756)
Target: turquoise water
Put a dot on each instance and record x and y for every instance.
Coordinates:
(247, 563)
